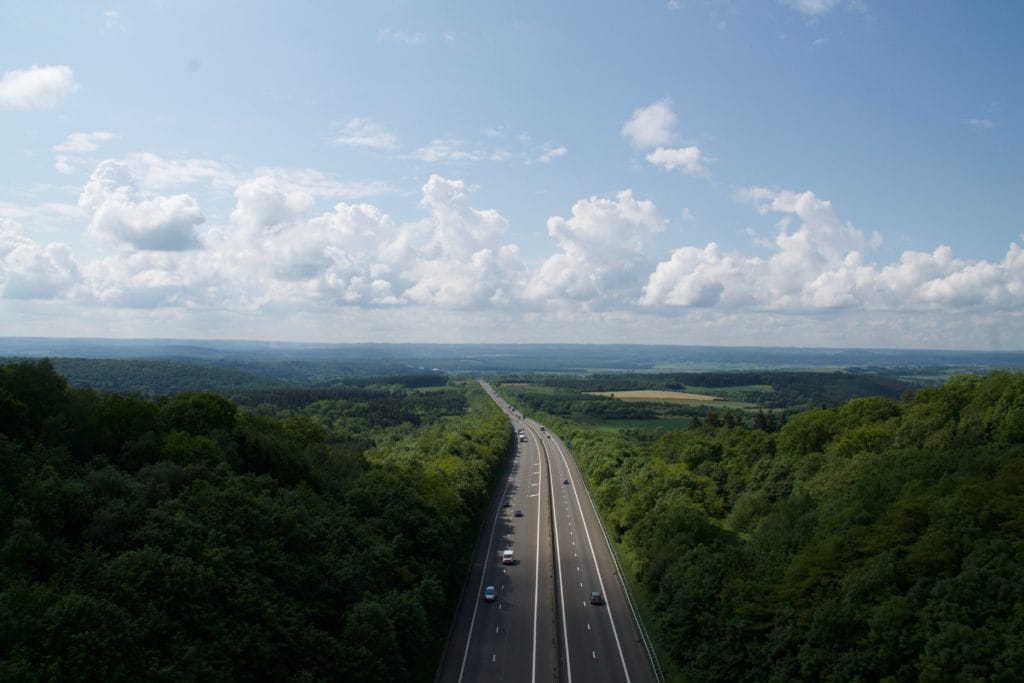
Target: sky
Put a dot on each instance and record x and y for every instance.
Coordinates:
(810, 173)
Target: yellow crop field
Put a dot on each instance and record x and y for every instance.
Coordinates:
(655, 395)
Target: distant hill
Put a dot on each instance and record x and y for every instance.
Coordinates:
(310, 362)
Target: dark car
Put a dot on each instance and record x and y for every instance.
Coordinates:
(596, 598)
(565, 481)
(518, 513)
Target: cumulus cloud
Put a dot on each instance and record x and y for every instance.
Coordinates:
(122, 212)
(365, 132)
(38, 87)
(151, 279)
(31, 271)
(812, 8)
(455, 256)
(601, 257)
(358, 255)
(550, 154)
(263, 203)
(822, 265)
(651, 126)
(333, 256)
(689, 160)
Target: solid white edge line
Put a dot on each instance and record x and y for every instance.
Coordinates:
(536, 575)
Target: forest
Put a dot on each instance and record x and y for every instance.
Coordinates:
(788, 389)
(188, 538)
(879, 539)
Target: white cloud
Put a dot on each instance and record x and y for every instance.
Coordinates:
(401, 36)
(29, 271)
(454, 258)
(357, 255)
(979, 123)
(173, 280)
(74, 146)
(602, 250)
(153, 173)
(112, 21)
(79, 143)
(812, 8)
(265, 202)
(689, 160)
(364, 132)
(122, 212)
(38, 87)
(550, 154)
(651, 126)
(448, 149)
(64, 164)
(821, 265)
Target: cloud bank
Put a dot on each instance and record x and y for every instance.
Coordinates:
(295, 243)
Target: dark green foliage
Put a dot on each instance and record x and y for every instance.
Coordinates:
(875, 540)
(789, 388)
(187, 540)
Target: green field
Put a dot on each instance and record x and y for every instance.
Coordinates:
(725, 398)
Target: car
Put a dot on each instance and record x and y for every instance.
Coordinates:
(518, 513)
(508, 557)
(506, 504)
(490, 594)
(565, 481)
(596, 598)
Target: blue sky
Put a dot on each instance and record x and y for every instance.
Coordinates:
(796, 173)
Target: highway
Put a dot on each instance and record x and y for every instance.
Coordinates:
(542, 625)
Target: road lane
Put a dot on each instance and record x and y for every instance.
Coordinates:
(609, 643)
(542, 626)
(511, 639)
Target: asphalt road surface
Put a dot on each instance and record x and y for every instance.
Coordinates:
(542, 625)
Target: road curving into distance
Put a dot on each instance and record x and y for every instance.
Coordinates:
(542, 625)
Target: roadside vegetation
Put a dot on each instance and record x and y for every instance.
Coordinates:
(310, 536)
(874, 539)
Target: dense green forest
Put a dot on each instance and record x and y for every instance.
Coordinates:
(876, 540)
(239, 380)
(188, 539)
